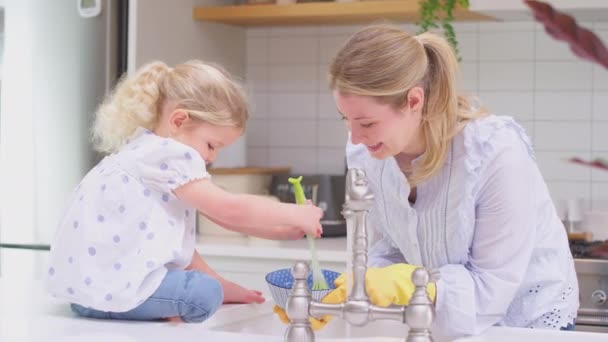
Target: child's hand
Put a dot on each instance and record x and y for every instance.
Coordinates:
(308, 219)
(289, 233)
(234, 293)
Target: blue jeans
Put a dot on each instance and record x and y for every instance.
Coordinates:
(191, 295)
(569, 327)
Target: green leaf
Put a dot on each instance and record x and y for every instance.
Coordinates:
(440, 13)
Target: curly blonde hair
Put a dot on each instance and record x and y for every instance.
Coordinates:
(207, 92)
(384, 62)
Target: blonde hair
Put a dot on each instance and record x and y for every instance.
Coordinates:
(205, 91)
(384, 62)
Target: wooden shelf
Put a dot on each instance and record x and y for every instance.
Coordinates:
(321, 13)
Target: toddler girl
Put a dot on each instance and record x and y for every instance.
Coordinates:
(125, 245)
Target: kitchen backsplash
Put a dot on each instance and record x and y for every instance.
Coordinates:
(514, 68)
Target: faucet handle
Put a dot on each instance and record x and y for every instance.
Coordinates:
(420, 313)
(298, 306)
(421, 277)
(300, 270)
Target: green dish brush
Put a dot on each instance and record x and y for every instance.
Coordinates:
(318, 280)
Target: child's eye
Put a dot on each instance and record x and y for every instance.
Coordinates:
(211, 147)
(368, 125)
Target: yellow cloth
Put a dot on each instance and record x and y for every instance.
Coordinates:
(385, 286)
(334, 297)
(315, 324)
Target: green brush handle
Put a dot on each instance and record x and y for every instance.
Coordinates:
(298, 190)
(301, 199)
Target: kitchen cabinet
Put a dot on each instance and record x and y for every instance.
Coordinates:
(247, 260)
(321, 13)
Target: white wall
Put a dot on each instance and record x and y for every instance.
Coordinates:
(53, 78)
(165, 30)
(515, 68)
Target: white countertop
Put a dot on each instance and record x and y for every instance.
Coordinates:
(27, 313)
(329, 249)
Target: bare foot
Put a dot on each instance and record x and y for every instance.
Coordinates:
(174, 320)
(234, 293)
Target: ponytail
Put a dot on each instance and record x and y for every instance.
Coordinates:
(444, 111)
(207, 92)
(440, 110)
(133, 103)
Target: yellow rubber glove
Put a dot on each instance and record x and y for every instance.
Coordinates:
(390, 285)
(334, 297)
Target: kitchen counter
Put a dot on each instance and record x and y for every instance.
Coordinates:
(329, 249)
(27, 313)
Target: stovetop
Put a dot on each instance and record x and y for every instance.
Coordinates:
(589, 249)
(591, 264)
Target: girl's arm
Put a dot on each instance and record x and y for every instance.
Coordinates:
(271, 233)
(250, 214)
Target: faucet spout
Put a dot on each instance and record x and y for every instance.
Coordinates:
(358, 195)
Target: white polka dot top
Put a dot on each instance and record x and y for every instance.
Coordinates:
(123, 227)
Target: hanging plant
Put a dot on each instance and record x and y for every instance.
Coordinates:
(440, 14)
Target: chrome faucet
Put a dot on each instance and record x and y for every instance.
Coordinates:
(357, 310)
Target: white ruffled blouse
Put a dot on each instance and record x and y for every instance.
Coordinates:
(487, 222)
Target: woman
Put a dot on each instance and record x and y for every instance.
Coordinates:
(456, 189)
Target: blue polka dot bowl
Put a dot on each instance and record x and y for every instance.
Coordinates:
(281, 281)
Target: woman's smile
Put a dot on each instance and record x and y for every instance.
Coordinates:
(375, 148)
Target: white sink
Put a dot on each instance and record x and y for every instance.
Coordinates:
(260, 320)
